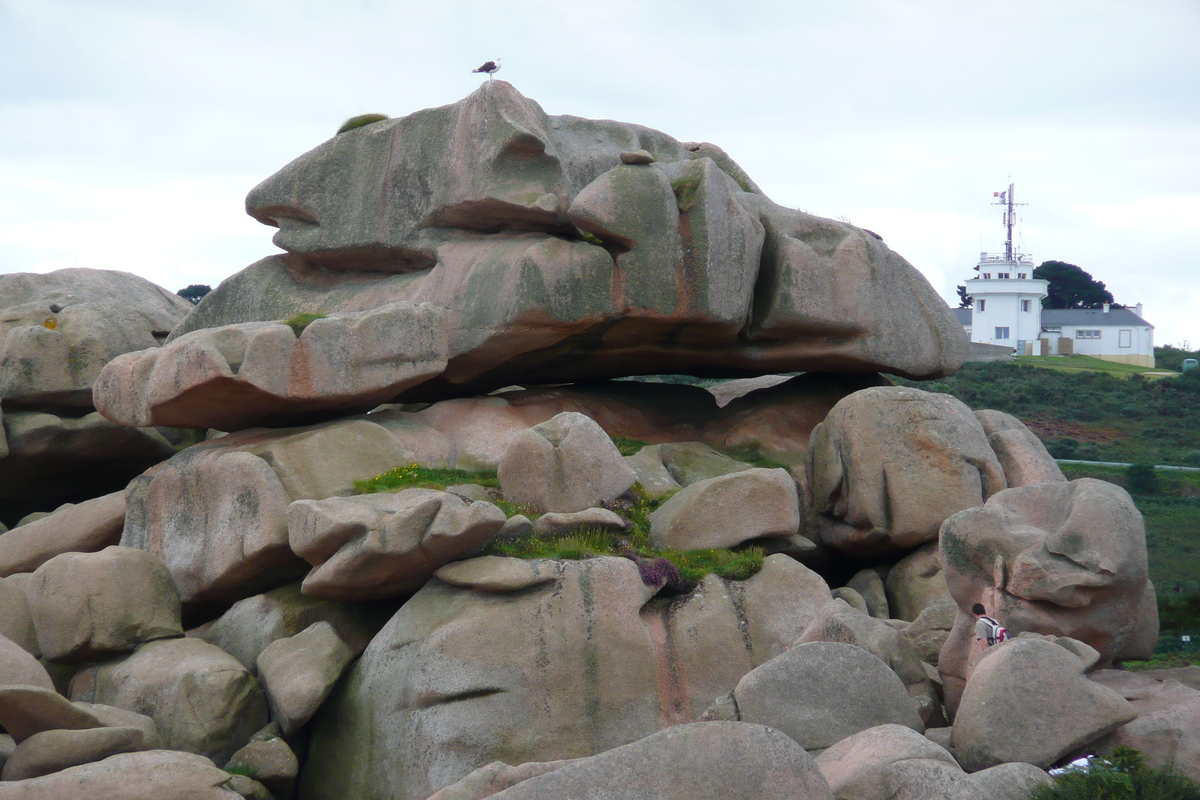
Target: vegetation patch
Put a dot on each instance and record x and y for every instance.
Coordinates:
(1108, 417)
(685, 190)
(1077, 363)
(360, 121)
(675, 571)
(411, 476)
(628, 447)
(1122, 776)
(298, 322)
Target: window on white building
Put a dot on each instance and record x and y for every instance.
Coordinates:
(1021, 275)
(1024, 305)
(987, 276)
(982, 303)
(1003, 275)
(1083, 333)
(1001, 333)
(1126, 338)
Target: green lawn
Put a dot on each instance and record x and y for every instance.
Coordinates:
(1074, 364)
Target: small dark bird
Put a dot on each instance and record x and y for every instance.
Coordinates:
(490, 67)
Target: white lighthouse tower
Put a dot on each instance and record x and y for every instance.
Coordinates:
(1006, 298)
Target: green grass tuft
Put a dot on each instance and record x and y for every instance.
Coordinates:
(298, 322)
(628, 447)
(591, 238)
(410, 476)
(734, 565)
(685, 191)
(245, 770)
(360, 121)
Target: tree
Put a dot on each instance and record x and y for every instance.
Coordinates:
(1071, 287)
(194, 293)
(964, 300)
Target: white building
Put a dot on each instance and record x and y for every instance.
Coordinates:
(1006, 310)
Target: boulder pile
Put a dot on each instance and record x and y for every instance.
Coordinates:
(400, 532)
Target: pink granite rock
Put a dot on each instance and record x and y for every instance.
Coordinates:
(1028, 700)
(242, 375)
(727, 511)
(701, 761)
(1167, 728)
(541, 660)
(149, 775)
(87, 606)
(74, 528)
(1063, 559)
(557, 262)
(384, 545)
(890, 464)
(565, 464)
(18, 666)
(1022, 455)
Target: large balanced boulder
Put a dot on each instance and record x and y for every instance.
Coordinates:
(542, 660)
(1062, 559)
(890, 464)
(556, 261)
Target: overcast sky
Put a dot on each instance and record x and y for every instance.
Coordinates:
(131, 130)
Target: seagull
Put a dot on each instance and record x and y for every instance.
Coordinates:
(490, 67)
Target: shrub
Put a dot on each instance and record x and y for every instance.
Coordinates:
(1122, 776)
(1063, 448)
(360, 121)
(1142, 478)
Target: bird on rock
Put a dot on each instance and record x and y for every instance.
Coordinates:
(490, 67)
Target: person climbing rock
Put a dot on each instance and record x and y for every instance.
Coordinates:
(986, 628)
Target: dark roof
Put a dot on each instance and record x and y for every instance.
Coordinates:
(1091, 316)
(1073, 316)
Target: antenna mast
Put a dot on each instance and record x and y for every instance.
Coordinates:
(1008, 200)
